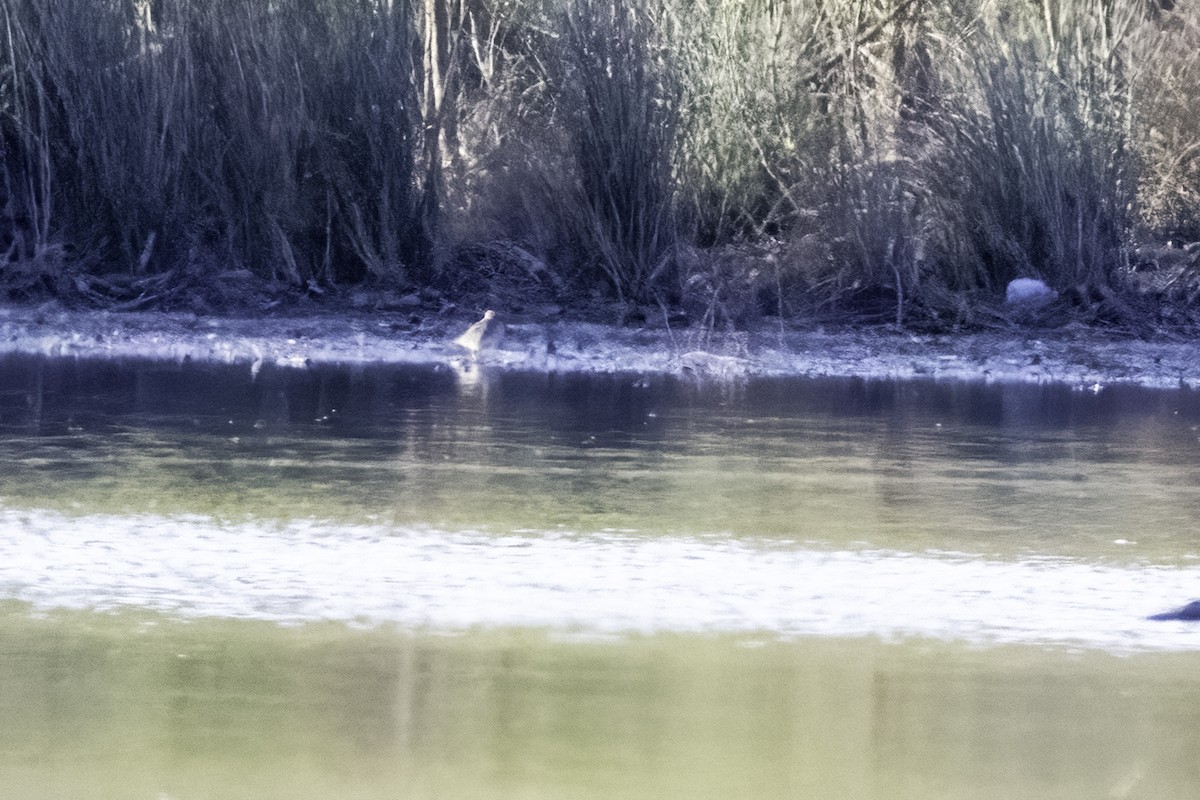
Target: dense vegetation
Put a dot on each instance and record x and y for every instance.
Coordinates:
(737, 156)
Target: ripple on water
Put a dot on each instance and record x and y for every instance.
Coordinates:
(602, 583)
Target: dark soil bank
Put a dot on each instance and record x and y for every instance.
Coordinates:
(1073, 355)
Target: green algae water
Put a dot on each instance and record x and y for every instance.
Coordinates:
(132, 706)
(344, 582)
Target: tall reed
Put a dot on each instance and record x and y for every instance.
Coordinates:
(279, 137)
(1166, 139)
(906, 149)
(29, 134)
(622, 90)
(1030, 166)
(754, 129)
(510, 174)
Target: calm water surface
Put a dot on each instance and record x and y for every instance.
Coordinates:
(366, 582)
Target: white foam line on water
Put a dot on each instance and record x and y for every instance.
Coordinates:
(603, 583)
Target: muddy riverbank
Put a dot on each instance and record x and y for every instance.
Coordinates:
(1074, 355)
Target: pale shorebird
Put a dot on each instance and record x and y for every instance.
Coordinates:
(482, 335)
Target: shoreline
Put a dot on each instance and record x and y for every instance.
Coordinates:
(1076, 356)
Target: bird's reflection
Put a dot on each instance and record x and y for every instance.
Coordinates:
(471, 378)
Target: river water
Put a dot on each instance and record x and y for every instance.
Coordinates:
(422, 582)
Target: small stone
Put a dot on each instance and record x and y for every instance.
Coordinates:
(1029, 292)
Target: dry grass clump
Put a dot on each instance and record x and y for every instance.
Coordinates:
(756, 132)
(1167, 140)
(278, 137)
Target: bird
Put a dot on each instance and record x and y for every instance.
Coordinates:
(1188, 613)
(482, 335)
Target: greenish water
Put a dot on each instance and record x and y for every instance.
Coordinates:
(133, 706)
(382, 583)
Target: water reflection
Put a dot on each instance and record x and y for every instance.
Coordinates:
(50, 396)
(134, 706)
(997, 469)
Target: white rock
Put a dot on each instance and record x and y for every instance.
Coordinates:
(1028, 292)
